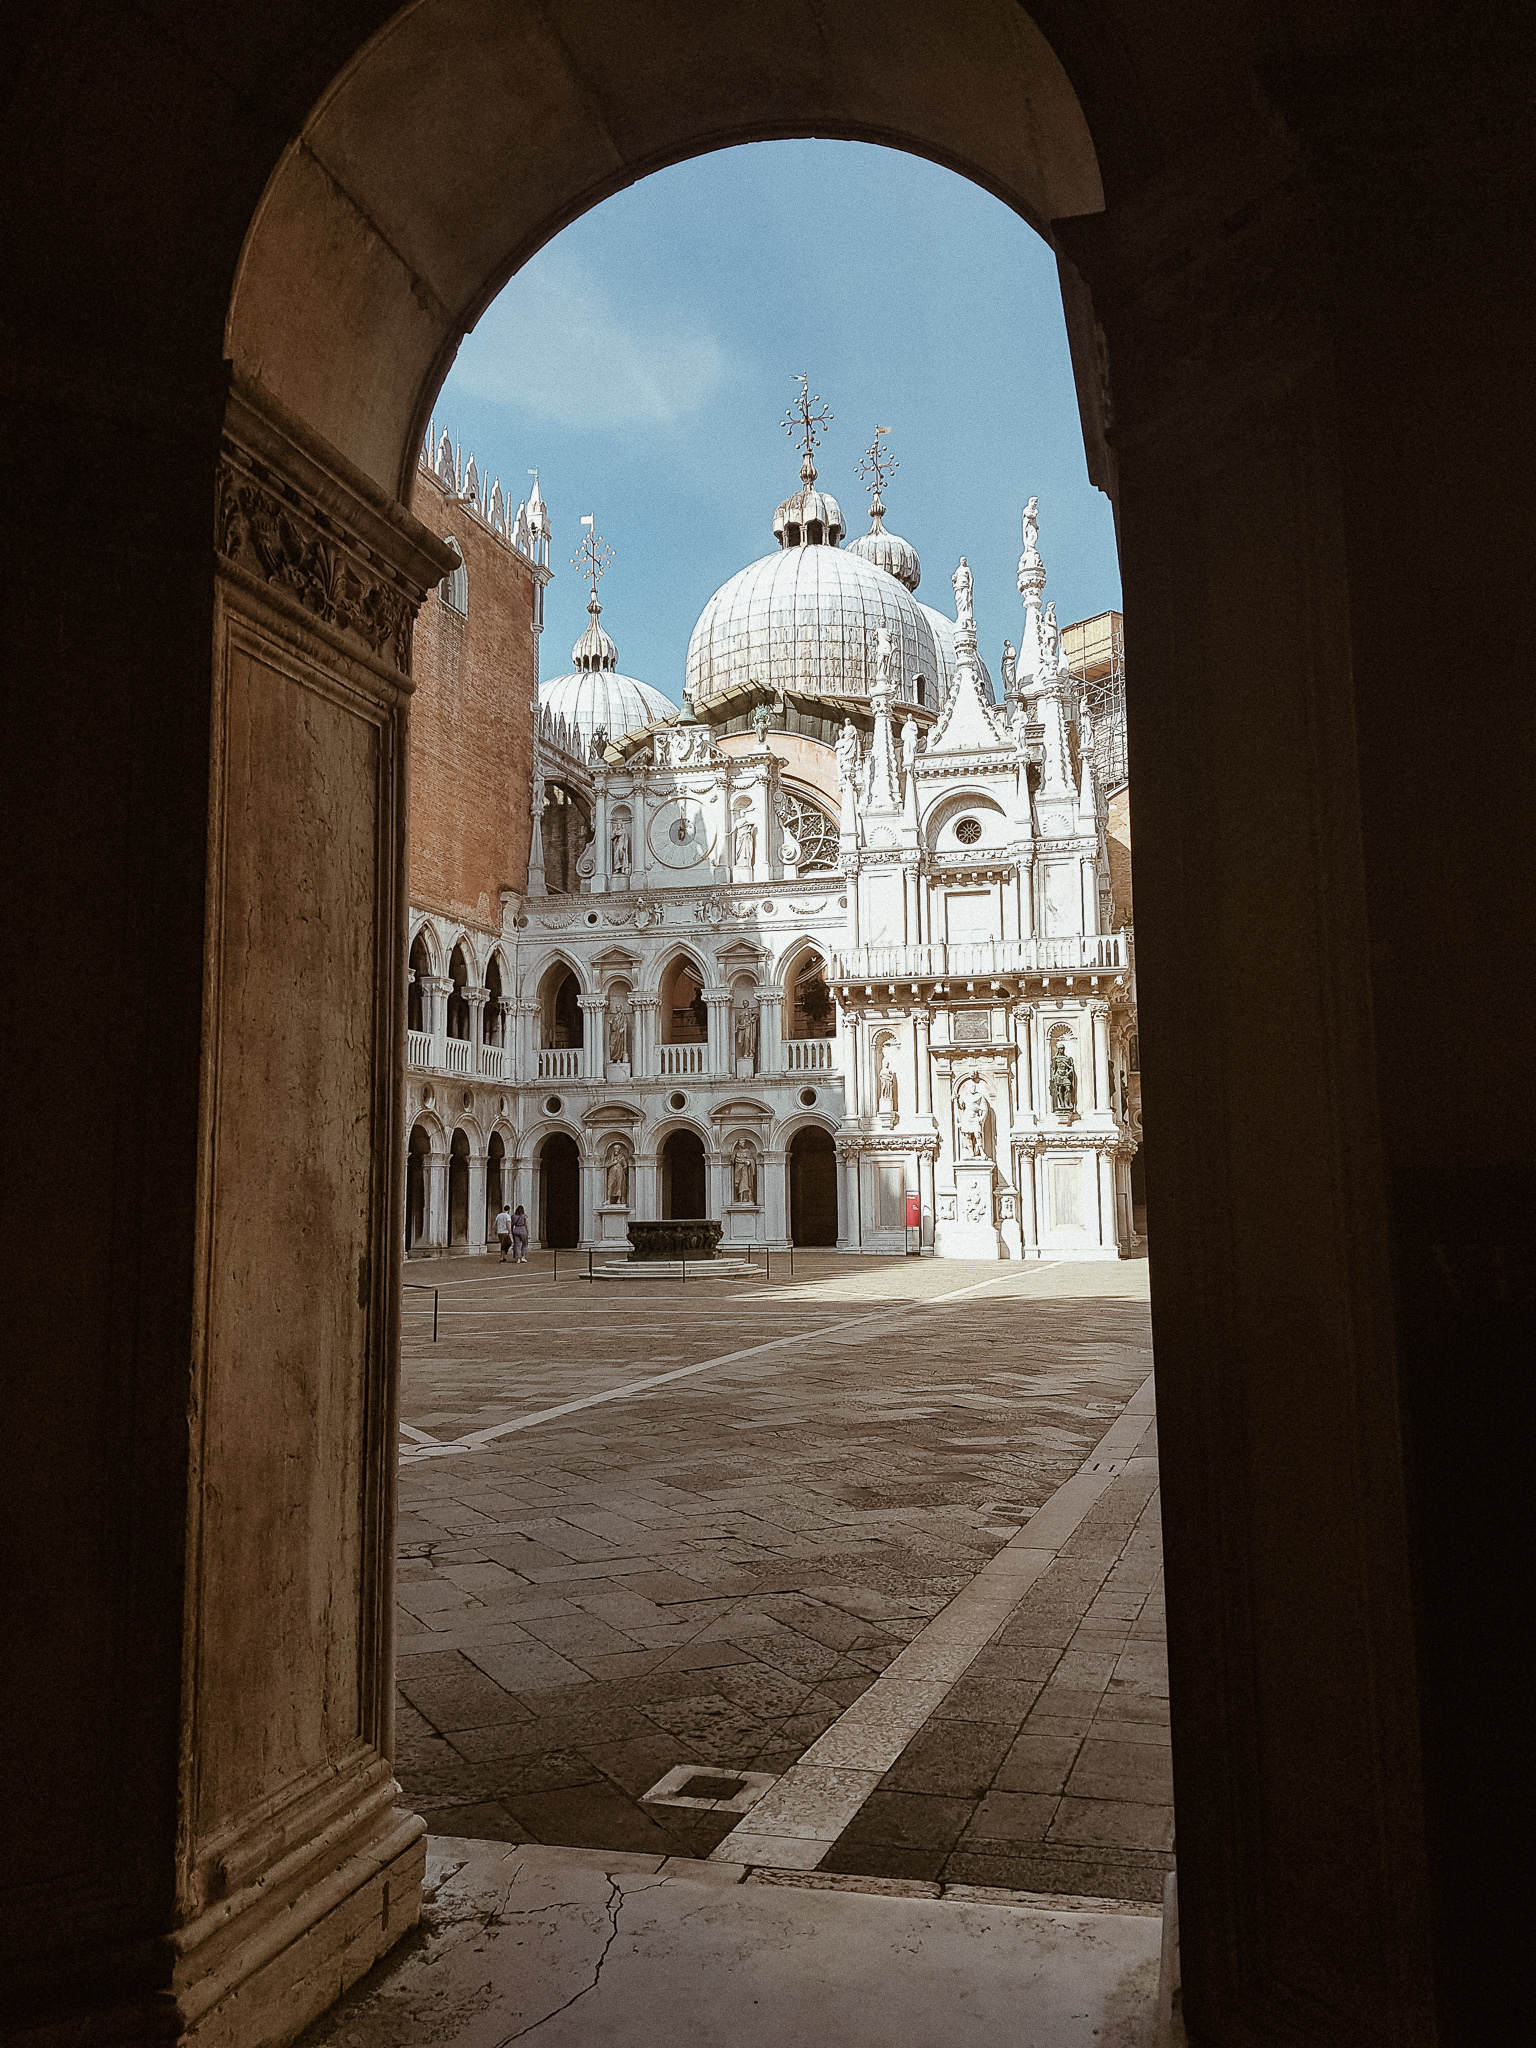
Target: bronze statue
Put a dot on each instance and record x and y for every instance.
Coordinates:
(1063, 1080)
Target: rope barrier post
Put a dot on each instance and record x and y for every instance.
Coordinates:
(434, 1315)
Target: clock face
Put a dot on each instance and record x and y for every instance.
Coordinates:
(679, 834)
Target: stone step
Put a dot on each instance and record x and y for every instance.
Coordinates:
(674, 1269)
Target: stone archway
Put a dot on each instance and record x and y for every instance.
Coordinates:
(1295, 243)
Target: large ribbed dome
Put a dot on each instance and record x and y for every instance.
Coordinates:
(806, 619)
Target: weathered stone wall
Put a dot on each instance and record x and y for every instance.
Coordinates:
(477, 678)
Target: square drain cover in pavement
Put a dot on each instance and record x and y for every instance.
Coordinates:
(711, 1791)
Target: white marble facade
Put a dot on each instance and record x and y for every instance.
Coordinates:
(833, 896)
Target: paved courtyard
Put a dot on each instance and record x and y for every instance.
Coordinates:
(822, 1552)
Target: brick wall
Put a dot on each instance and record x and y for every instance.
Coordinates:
(471, 723)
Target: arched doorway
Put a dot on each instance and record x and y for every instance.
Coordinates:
(417, 1217)
(812, 1187)
(458, 1189)
(559, 1192)
(683, 1177)
(495, 1163)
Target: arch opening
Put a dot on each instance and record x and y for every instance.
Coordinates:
(683, 1177)
(812, 1187)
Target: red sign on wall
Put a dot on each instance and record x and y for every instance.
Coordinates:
(914, 1212)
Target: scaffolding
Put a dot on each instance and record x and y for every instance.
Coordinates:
(1094, 650)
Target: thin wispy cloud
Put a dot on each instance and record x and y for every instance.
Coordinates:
(562, 347)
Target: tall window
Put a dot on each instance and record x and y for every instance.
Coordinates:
(454, 588)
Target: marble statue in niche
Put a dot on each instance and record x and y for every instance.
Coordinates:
(1063, 1080)
(618, 1038)
(973, 1105)
(744, 1172)
(887, 1076)
(617, 1183)
(746, 1032)
(618, 850)
(744, 843)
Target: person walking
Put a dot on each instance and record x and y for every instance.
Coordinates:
(503, 1229)
(519, 1237)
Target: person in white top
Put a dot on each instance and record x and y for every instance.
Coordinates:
(503, 1229)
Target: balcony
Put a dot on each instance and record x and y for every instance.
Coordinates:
(495, 1063)
(684, 1059)
(810, 1055)
(418, 1048)
(559, 1062)
(984, 959)
(457, 1056)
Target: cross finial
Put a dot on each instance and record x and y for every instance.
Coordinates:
(801, 423)
(593, 556)
(875, 466)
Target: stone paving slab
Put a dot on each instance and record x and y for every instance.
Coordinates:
(591, 1949)
(713, 1569)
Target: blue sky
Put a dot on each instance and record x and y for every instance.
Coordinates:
(644, 359)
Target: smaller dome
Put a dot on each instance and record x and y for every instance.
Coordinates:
(888, 551)
(601, 700)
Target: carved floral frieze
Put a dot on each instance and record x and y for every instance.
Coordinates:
(271, 533)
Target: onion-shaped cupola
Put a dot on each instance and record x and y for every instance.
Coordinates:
(809, 518)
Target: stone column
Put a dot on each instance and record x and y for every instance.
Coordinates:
(1028, 1219)
(474, 1223)
(910, 884)
(1023, 1038)
(1024, 889)
(1099, 1015)
(774, 1190)
(717, 1185)
(851, 1230)
(476, 999)
(1090, 894)
(770, 1052)
(640, 846)
(600, 831)
(436, 992)
(849, 1024)
(525, 1064)
(642, 1049)
(925, 1164)
(922, 1061)
(517, 1182)
(594, 1023)
(645, 1190)
(721, 1058)
(1109, 1232)
(591, 1185)
(435, 1174)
